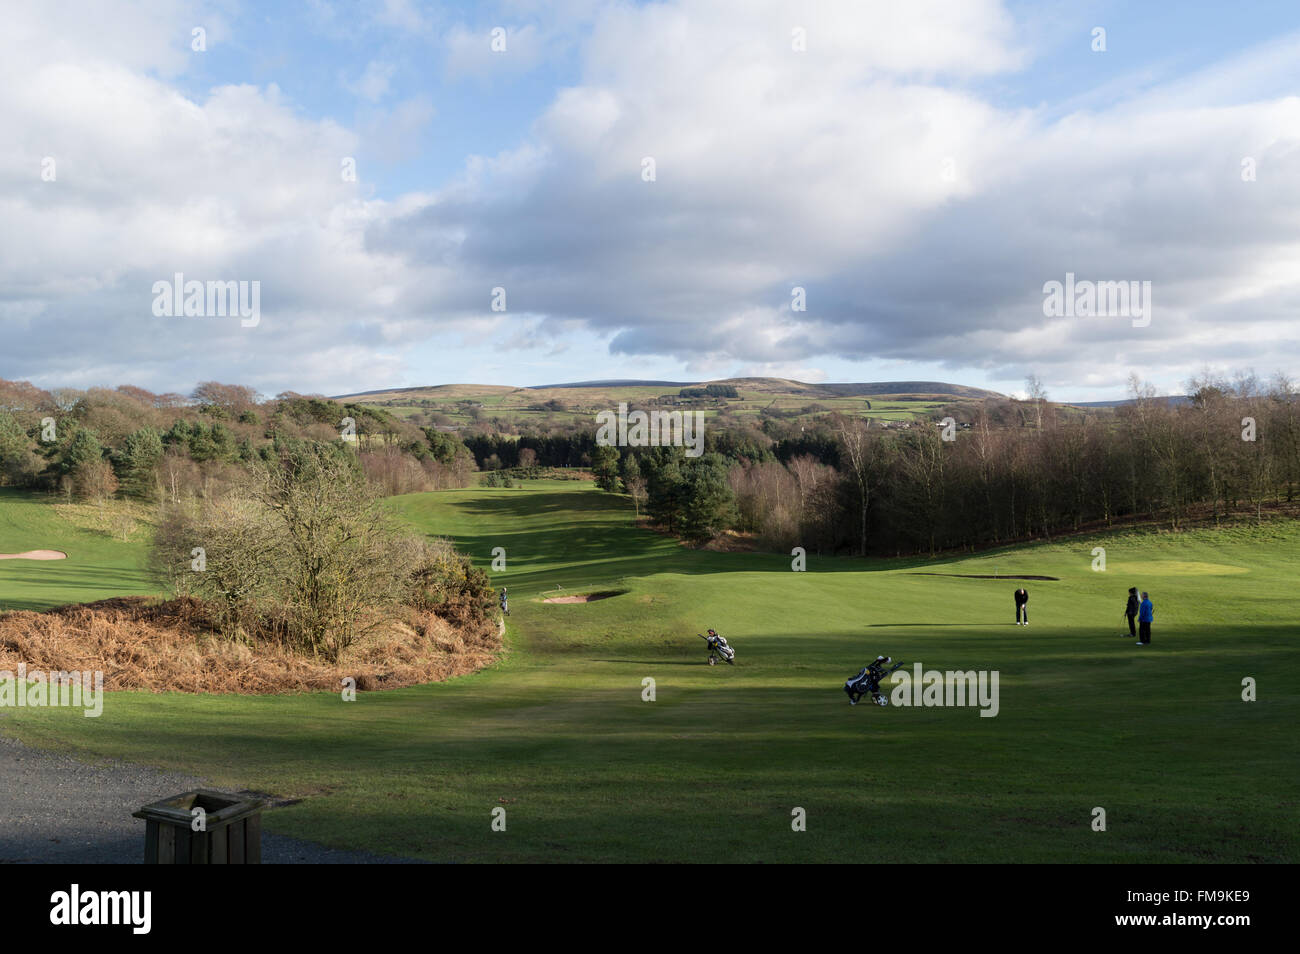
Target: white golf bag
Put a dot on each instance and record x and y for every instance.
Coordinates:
(718, 649)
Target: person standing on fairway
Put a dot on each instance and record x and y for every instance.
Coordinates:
(1131, 611)
(505, 603)
(1022, 606)
(1146, 613)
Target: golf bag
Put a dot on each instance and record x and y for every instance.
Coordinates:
(718, 649)
(867, 682)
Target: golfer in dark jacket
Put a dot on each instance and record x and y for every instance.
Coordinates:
(1131, 611)
(1022, 606)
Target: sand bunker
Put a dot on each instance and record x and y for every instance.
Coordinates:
(35, 555)
(582, 597)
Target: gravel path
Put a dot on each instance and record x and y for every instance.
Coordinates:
(56, 809)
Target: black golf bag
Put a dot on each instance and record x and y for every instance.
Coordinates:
(867, 681)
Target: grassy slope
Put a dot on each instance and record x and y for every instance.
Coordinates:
(558, 733)
(98, 566)
(513, 404)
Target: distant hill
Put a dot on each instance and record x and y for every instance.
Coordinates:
(909, 387)
(760, 385)
(613, 383)
(455, 406)
(1174, 399)
(441, 390)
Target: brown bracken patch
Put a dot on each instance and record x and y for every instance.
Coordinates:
(139, 643)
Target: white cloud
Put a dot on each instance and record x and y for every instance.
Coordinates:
(921, 218)
(374, 82)
(403, 14)
(394, 134)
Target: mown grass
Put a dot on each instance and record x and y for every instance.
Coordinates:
(558, 734)
(99, 565)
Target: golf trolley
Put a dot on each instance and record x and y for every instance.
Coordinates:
(718, 649)
(867, 682)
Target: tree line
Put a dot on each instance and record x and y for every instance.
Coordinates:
(99, 442)
(832, 483)
(845, 485)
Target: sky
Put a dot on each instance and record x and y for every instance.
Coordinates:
(532, 193)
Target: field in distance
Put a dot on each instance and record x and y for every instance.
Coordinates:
(460, 405)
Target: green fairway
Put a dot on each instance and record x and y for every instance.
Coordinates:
(98, 566)
(558, 735)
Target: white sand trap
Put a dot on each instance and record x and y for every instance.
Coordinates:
(35, 555)
(584, 597)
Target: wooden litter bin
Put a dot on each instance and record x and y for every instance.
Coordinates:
(232, 832)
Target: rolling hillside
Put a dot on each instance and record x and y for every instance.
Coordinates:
(457, 405)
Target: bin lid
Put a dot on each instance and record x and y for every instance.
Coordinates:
(220, 808)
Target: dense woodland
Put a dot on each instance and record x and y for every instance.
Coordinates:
(825, 481)
(1022, 469)
(167, 447)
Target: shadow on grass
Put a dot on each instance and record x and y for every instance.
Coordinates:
(75, 583)
(937, 625)
(580, 539)
(982, 576)
(653, 662)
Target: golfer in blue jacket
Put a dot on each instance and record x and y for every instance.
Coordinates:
(1146, 613)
